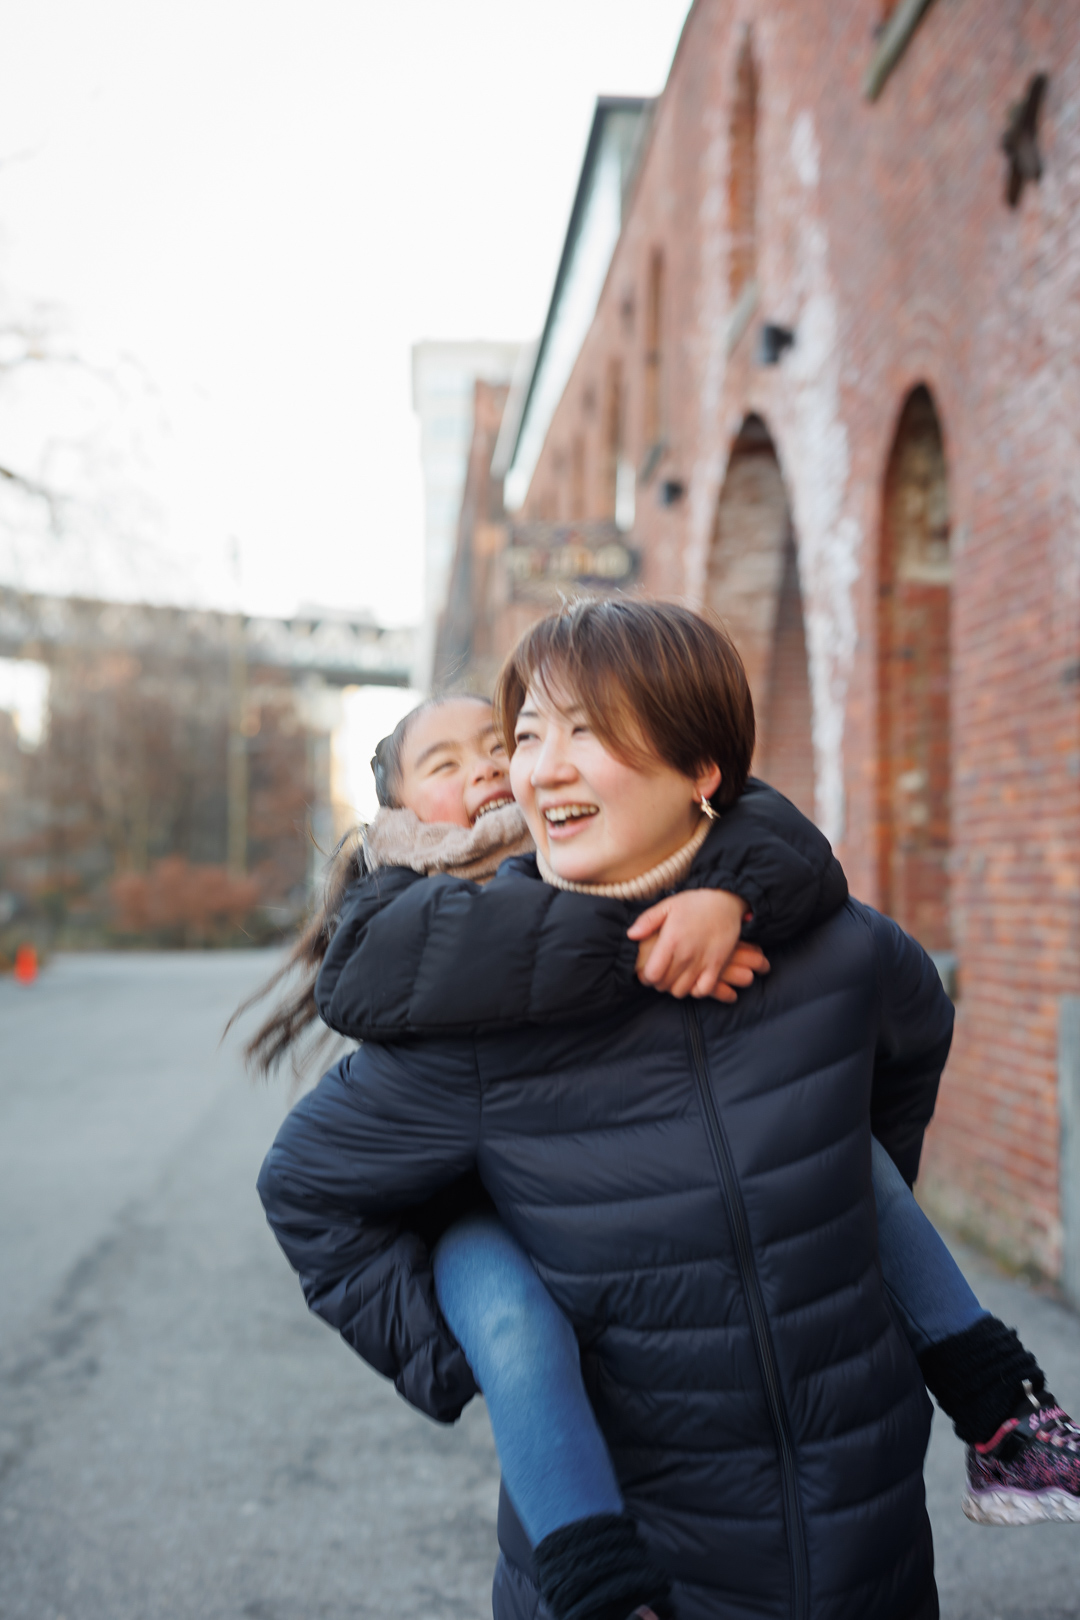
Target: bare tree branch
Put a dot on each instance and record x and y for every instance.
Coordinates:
(31, 342)
(40, 492)
(34, 343)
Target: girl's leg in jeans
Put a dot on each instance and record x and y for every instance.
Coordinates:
(924, 1282)
(525, 1358)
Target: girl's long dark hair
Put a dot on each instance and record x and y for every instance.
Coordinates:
(283, 1032)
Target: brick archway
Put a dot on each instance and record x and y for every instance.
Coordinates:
(914, 700)
(753, 587)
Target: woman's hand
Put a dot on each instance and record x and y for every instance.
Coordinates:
(689, 945)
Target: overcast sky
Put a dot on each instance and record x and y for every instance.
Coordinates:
(243, 214)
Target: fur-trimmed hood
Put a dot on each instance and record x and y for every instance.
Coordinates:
(400, 838)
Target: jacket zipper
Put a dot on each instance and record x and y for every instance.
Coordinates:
(759, 1321)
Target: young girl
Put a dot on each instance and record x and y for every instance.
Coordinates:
(442, 777)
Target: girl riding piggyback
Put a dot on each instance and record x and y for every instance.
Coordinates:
(442, 780)
(753, 867)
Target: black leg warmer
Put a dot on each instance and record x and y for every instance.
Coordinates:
(977, 1377)
(600, 1569)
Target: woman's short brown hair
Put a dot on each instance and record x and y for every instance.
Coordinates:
(651, 677)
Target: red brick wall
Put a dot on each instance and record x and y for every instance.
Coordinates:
(882, 238)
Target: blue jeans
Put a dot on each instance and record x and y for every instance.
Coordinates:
(525, 1357)
(926, 1286)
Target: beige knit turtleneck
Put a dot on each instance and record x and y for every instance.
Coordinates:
(400, 838)
(653, 882)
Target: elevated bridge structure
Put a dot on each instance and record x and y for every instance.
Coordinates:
(338, 649)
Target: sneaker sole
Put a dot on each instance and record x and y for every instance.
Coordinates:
(1021, 1507)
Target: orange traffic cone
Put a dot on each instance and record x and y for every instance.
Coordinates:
(26, 964)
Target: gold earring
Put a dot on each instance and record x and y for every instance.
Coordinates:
(707, 809)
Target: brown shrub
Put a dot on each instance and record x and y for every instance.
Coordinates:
(178, 903)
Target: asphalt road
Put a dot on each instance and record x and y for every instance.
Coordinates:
(179, 1440)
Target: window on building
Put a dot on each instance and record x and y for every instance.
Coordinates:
(577, 480)
(914, 678)
(613, 438)
(559, 486)
(742, 200)
(786, 750)
(654, 362)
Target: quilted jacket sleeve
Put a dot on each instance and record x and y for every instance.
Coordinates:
(914, 1037)
(344, 1187)
(364, 901)
(771, 855)
(443, 956)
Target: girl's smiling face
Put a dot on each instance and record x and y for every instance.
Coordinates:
(454, 767)
(594, 817)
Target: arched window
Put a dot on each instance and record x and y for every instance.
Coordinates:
(742, 180)
(786, 750)
(753, 587)
(914, 605)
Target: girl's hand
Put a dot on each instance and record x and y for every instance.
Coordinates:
(689, 945)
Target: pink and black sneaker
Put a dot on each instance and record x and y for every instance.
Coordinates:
(1029, 1470)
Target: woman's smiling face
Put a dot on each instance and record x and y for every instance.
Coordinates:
(454, 767)
(596, 818)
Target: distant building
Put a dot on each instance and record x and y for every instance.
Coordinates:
(837, 345)
(443, 378)
(506, 571)
(466, 655)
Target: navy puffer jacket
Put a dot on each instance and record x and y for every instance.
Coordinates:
(693, 1183)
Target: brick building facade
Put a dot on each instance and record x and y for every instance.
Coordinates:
(839, 344)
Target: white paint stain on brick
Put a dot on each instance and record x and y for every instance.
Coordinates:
(818, 473)
(816, 450)
(712, 315)
(805, 153)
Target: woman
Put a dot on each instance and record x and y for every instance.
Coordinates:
(692, 1180)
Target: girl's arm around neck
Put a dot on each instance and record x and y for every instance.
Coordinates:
(364, 901)
(446, 956)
